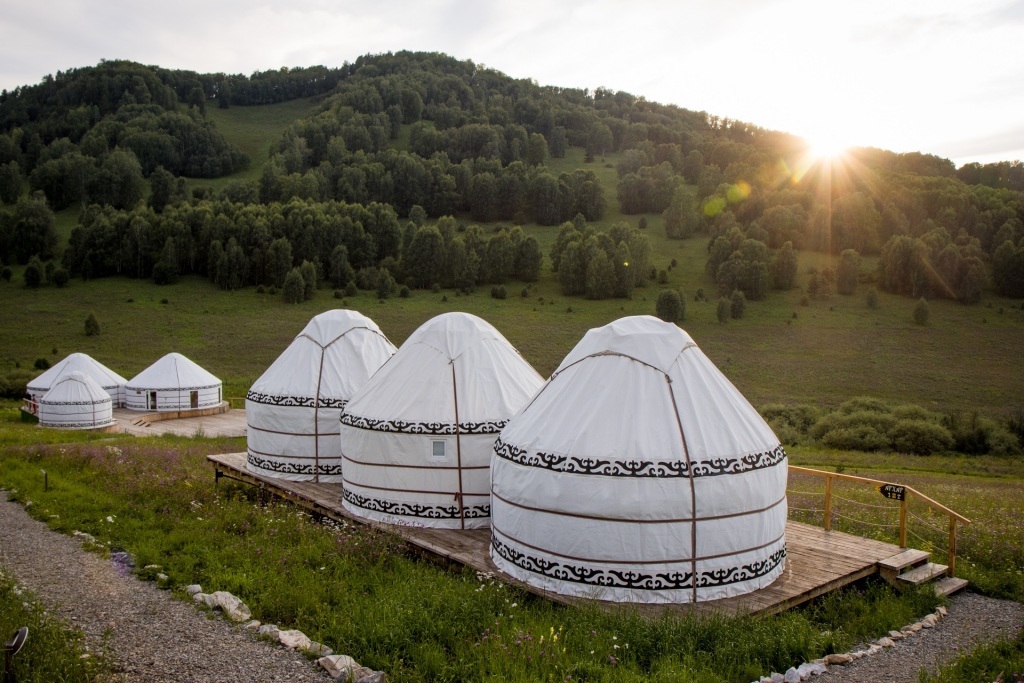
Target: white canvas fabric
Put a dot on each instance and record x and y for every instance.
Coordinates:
(76, 401)
(109, 380)
(637, 467)
(293, 408)
(416, 441)
(173, 383)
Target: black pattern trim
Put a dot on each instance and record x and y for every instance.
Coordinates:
(664, 469)
(438, 428)
(76, 425)
(143, 390)
(291, 467)
(623, 578)
(75, 403)
(300, 401)
(415, 509)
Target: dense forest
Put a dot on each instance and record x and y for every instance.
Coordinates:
(342, 201)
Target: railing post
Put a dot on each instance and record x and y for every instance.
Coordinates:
(952, 546)
(828, 503)
(903, 523)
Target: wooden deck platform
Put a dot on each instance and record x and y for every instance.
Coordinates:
(817, 562)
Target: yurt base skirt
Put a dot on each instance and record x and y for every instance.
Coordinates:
(640, 583)
(294, 468)
(437, 511)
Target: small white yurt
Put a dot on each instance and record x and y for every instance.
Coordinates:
(76, 401)
(417, 439)
(639, 474)
(110, 381)
(173, 383)
(293, 408)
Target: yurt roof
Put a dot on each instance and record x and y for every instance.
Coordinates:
(333, 356)
(75, 388)
(451, 354)
(579, 411)
(173, 371)
(80, 362)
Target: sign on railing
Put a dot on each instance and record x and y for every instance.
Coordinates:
(893, 491)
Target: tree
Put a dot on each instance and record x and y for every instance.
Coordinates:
(723, 311)
(737, 304)
(60, 278)
(119, 181)
(10, 182)
(681, 216)
(165, 270)
(784, 267)
(536, 150)
(600, 278)
(279, 261)
(625, 277)
(499, 259)
(92, 326)
(162, 188)
(528, 259)
(309, 280)
(6, 273)
(425, 260)
(294, 287)
(848, 271)
(670, 306)
(872, 298)
(340, 270)
(921, 312)
(559, 142)
(34, 229)
(386, 284)
(33, 274)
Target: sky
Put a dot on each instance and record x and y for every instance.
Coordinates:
(943, 77)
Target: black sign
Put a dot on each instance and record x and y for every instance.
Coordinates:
(893, 491)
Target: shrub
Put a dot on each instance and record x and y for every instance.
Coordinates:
(859, 438)
(33, 274)
(662, 277)
(60, 278)
(872, 298)
(669, 306)
(272, 290)
(860, 403)
(723, 311)
(920, 437)
(525, 293)
(912, 412)
(403, 293)
(351, 289)
(92, 326)
(338, 294)
(294, 287)
(799, 417)
(41, 364)
(737, 304)
(436, 288)
(260, 289)
(975, 435)
(498, 292)
(164, 301)
(6, 273)
(880, 422)
(921, 312)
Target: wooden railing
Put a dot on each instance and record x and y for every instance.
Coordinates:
(236, 401)
(897, 492)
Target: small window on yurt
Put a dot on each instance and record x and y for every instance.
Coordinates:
(439, 449)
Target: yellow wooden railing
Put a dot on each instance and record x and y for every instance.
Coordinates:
(898, 492)
(236, 401)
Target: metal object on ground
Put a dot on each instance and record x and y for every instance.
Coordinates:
(11, 648)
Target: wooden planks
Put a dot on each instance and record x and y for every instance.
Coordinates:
(818, 561)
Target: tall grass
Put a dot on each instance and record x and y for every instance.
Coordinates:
(53, 652)
(357, 591)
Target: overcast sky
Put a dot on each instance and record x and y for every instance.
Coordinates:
(944, 77)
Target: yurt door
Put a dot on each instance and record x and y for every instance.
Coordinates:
(151, 403)
(193, 398)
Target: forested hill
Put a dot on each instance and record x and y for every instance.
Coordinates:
(397, 139)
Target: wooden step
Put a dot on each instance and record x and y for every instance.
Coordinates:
(923, 574)
(891, 567)
(949, 585)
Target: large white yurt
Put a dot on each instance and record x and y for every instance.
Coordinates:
(639, 473)
(110, 381)
(293, 408)
(76, 401)
(173, 383)
(417, 439)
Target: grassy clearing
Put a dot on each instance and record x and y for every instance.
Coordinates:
(355, 591)
(1002, 662)
(963, 359)
(53, 652)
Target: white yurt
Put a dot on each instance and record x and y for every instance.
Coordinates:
(417, 439)
(639, 473)
(293, 408)
(173, 383)
(110, 381)
(76, 401)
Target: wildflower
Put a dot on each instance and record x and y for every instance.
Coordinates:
(110, 518)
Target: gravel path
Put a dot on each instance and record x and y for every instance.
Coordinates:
(972, 619)
(151, 635)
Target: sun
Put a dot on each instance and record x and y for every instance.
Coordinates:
(824, 144)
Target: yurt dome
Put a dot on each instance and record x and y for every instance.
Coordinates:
(76, 401)
(293, 408)
(173, 383)
(639, 473)
(417, 439)
(110, 381)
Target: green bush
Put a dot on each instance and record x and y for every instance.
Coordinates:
(799, 417)
(92, 325)
(856, 438)
(920, 438)
(880, 422)
(861, 403)
(921, 312)
(912, 412)
(975, 435)
(42, 364)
